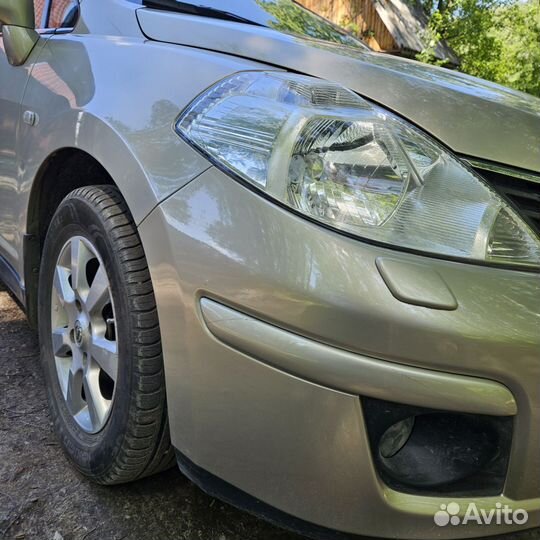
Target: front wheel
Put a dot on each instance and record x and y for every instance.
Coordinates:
(100, 340)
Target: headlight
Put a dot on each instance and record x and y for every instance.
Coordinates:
(325, 152)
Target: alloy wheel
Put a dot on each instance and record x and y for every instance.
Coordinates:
(84, 339)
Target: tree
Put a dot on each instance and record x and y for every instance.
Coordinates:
(518, 29)
(498, 40)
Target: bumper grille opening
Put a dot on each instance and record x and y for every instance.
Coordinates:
(424, 451)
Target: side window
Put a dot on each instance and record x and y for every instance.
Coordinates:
(39, 8)
(63, 13)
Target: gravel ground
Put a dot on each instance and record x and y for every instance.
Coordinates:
(42, 497)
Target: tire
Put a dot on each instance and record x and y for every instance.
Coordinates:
(113, 425)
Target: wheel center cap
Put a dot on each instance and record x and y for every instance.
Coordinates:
(78, 334)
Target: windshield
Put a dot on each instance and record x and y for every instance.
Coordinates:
(282, 15)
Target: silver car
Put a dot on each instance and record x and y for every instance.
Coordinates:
(305, 272)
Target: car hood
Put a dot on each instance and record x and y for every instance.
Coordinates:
(471, 116)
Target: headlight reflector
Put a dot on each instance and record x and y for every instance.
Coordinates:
(327, 153)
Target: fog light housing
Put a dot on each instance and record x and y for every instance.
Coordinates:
(423, 451)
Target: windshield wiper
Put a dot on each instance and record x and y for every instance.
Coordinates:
(201, 11)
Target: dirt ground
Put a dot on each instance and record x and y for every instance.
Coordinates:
(42, 497)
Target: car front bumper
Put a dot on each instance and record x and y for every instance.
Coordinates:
(274, 328)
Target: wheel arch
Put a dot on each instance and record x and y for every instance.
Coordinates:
(63, 171)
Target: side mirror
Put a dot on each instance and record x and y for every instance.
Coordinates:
(18, 29)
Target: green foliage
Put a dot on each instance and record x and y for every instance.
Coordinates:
(498, 40)
(518, 27)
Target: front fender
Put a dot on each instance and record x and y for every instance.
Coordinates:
(117, 99)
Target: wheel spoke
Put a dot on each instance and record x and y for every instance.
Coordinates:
(97, 404)
(62, 287)
(105, 354)
(76, 359)
(62, 370)
(74, 398)
(79, 257)
(98, 295)
(61, 342)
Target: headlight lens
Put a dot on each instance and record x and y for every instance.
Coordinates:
(329, 154)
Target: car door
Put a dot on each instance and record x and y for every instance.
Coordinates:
(13, 82)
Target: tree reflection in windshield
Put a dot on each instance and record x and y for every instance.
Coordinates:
(292, 18)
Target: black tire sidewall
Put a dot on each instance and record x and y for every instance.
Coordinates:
(93, 454)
